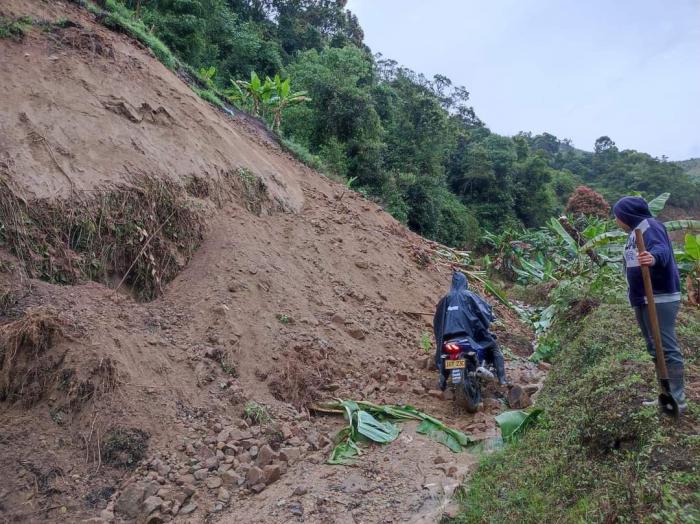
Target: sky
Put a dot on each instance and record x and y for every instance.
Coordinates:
(629, 69)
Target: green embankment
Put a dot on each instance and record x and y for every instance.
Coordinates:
(597, 454)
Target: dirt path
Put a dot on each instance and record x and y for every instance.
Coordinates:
(409, 480)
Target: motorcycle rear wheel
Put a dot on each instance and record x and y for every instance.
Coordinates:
(468, 394)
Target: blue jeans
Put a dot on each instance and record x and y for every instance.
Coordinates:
(666, 313)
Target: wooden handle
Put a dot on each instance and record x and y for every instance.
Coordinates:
(651, 310)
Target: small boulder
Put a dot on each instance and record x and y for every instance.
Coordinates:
(266, 456)
(223, 495)
(290, 455)
(129, 502)
(254, 477)
(271, 473)
(152, 504)
(214, 482)
(201, 474)
(518, 398)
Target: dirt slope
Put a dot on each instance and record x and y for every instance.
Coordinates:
(132, 411)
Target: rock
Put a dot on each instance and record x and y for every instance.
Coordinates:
(129, 502)
(266, 456)
(201, 474)
(355, 332)
(254, 476)
(152, 504)
(531, 389)
(189, 508)
(439, 460)
(339, 319)
(300, 491)
(402, 377)
(362, 264)
(290, 455)
(297, 509)
(258, 488)
(440, 395)
(211, 463)
(107, 515)
(417, 391)
(543, 366)
(518, 398)
(231, 479)
(271, 473)
(223, 495)
(253, 451)
(214, 482)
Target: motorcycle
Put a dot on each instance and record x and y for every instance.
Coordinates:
(464, 371)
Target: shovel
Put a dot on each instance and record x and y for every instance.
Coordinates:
(667, 403)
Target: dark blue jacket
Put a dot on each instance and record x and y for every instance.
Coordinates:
(665, 280)
(462, 313)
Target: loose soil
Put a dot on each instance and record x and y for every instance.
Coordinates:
(141, 414)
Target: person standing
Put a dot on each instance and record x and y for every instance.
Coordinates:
(633, 213)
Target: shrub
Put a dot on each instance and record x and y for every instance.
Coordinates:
(586, 201)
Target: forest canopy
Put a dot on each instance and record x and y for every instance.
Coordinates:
(412, 143)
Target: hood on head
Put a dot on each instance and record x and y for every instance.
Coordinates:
(459, 282)
(632, 210)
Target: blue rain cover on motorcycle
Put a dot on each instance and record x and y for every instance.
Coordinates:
(461, 312)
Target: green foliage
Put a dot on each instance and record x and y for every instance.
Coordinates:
(596, 453)
(368, 422)
(14, 28)
(514, 423)
(411, 143)
(256, 413)
(117, 17)
(426, 342)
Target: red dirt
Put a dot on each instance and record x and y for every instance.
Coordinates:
(297, 304)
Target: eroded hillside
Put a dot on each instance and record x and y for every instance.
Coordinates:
(176, 290)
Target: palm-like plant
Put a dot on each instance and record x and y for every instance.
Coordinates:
(273, 95)
(282, 98)
(256, 91)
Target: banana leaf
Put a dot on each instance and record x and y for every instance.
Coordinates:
(514, 423)
(491, 289)
(677, 225)
(657, 205)
(604, 238)
(565, 236)
(371, 428)
(373, 423)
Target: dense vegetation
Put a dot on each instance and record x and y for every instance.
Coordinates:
(597, 454)
(411, 142)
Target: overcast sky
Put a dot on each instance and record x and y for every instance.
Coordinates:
(578, 69)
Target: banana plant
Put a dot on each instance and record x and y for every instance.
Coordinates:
(688, 260)
(282, 98)
(257, 92)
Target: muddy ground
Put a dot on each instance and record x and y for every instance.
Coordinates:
(116, 409)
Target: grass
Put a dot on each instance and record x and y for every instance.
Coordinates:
(597, 454)
(210, 96)
(304, 155)
(124, 447)
(14, 28)
(256, 413)
(142, 233)
(119, 18)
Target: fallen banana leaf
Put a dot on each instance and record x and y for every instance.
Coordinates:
(373, 422)
(514, 423)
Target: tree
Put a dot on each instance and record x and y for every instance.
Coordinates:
(585, 201)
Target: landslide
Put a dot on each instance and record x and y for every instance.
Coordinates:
(175, 289)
